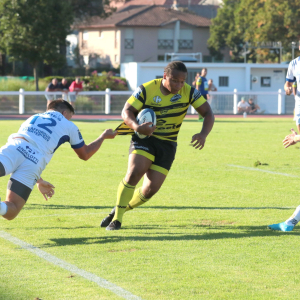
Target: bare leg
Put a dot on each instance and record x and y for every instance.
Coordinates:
(14, 205)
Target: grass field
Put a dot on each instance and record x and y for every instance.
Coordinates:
(203, 236)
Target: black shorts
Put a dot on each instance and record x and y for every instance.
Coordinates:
(160, 152)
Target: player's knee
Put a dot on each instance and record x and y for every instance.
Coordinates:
(133, 177)
(9, 217)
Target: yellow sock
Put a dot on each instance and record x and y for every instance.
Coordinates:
(124, 195)
(137, 199)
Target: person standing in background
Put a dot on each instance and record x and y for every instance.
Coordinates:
(76, 86)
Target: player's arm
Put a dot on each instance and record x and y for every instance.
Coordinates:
(129, 114)
(198, 140)
(291, 139)
(87, 151)
(288, 87)
(46, 188)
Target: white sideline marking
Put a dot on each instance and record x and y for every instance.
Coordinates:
(72, 268)
(254, 169)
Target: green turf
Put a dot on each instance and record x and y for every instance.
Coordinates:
(203, 236)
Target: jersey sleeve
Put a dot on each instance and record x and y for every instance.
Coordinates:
(197, 98)
(138, 98)
(199, 81)
(290, 72)
(76, 139)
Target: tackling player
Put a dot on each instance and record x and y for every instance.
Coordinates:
(28, 151)
(170, 98)
(293, 75)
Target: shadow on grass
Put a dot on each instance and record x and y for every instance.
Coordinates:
(109, 208)
(160, 235)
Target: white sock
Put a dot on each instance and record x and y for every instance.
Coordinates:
(3, 208)
(295, 217)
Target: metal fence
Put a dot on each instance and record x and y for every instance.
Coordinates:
(112, 102)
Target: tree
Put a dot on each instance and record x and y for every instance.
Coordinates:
(223, 31)
(255, 21)
(34, 30)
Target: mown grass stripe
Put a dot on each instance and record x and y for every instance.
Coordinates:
(72, 268)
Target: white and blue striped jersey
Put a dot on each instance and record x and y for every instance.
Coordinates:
(47, 131)
(293, 73)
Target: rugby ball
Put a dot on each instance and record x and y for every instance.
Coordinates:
(144, 116)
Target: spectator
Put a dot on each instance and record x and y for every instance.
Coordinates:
(196, 78)
(202, 84)
(211, 87)
(52, 87)
(253, 107)
(64, 87)
(243, 106)
(76, 86)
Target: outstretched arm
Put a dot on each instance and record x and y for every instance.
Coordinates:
(46, 188)
(87, 151)
(198, 140)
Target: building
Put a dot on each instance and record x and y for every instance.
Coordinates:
(142, 34)
(260, 81)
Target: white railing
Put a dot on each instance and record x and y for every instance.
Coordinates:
(112, 102)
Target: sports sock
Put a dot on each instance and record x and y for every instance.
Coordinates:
(137, 200)
(295, 217)
(3, 208)
(124, 195)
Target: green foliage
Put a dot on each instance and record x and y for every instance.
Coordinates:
(15, 84)
(33, 29)
(100, 83)
(255, 21)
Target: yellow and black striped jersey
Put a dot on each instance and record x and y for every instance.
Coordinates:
(170, 110)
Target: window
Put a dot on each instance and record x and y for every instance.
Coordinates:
(128, 58)
(265, 81)
(223, 81)
(165, 39)
(117, 38)
(160, 58)
(85, 35)
(185, 39)
(129, 41)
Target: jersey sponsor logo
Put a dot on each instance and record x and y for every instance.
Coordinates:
(27, 155)
(157, 99)
(161, 125)
(136, 94)
(37, 132)
(175, 98)
(30, 150)
(164, 111)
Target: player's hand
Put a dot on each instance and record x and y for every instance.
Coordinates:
(46, 188)
(198, 141)
(289, 139)
(288, 90)
(109, 134)
(146, 128)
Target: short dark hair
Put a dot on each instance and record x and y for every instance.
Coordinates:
(60, 105)
(175, 65)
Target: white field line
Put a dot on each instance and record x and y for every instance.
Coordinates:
(69, 267)
(260, 170)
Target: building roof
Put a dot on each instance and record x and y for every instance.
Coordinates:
(146, 16)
